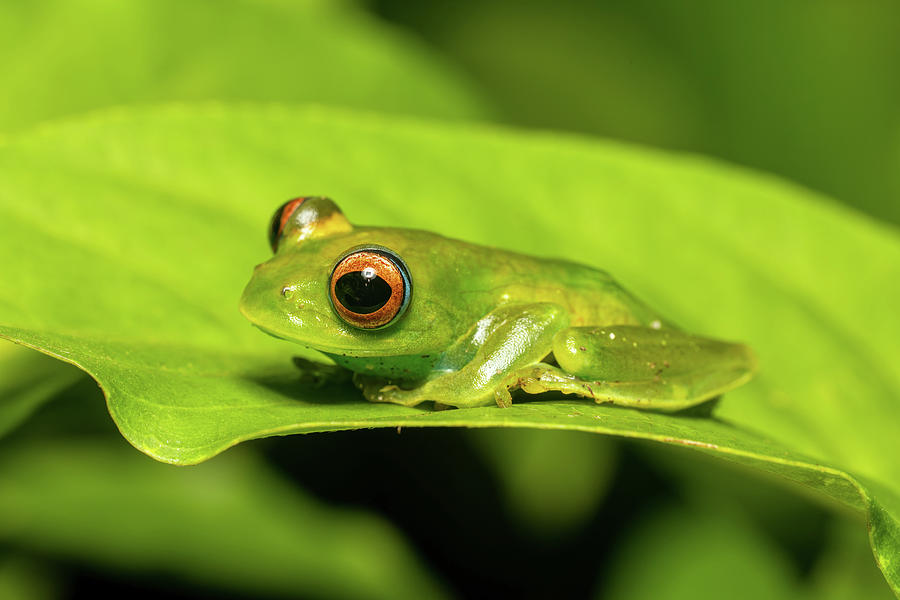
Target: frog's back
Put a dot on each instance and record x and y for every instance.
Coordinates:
(589, 295)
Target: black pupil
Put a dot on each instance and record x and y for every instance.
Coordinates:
(360, 294)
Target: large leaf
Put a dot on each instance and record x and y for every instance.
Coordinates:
(59, 57)
(141, 229)
(231, 524)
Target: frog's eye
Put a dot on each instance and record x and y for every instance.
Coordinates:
(280, 219)
(370, 288)
(304, 218)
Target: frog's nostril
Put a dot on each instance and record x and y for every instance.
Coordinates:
(287, 292)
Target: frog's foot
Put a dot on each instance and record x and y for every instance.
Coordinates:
(502, 396)
(540, 378)
(379, 389)
(657, 394)
(318, 374)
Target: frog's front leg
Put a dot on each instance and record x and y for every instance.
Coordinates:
(474, 373)
(641, 367)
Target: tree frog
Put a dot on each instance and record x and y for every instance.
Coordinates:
(418, 317)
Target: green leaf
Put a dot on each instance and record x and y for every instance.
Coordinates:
(142, 227)
(28, 380)
(59, 57)
(231, 524)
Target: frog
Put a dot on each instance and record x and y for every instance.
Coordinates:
(412, 316)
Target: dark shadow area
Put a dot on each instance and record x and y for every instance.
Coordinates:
(434, 486)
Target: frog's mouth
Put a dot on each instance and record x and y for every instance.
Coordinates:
(327, 350)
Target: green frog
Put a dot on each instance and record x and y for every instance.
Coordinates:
(418, 317)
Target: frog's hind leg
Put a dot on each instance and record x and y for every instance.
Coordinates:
(640, 367)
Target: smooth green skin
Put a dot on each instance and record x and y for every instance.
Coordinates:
(482, 322)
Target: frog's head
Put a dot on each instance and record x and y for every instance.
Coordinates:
(341, 289)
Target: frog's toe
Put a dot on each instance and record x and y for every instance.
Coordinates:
(503, 397)
(395, 395)
(373, 388)
(376, 389)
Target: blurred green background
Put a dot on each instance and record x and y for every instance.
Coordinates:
(809, 91)
(806, 90)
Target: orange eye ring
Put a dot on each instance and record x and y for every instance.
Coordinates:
(370, 287)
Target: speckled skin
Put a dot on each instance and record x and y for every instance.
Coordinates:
(483, 321)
